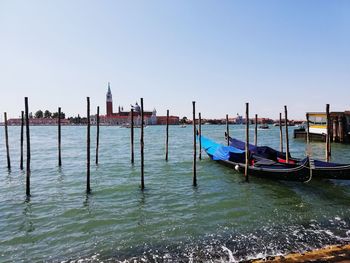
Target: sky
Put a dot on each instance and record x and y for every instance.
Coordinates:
(220, 54)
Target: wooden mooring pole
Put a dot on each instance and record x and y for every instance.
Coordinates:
(307, 129)
(142, 148)
(7, 143)
(132, 135)
(28, 146)
(59, 138)
(88, 189)
(328, 135)
(22, 133)
(97, 133)
(246, 142)
(194, 183)
(335, 129)
(309, 151)
(227, 131)
(287, 138)
(200, 135)
(281, 134)
(256, 130)
(167, 136)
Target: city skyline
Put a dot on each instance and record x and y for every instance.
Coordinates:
(268, 53)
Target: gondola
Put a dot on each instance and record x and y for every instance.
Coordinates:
(320, 169)
(234, 158)
(264, 126)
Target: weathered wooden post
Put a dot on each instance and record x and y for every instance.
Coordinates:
(7, 143)
(341, 129)
(287, 138)
(281, 134)
(132, 135)
(28, 146)
(22, 128)
(256, 130)
(200, 135)
(246, 142)
(308, 151)
(88, 189)
(328, 135)
(59, 137)
(307, 129)
(97, 133)
(167, 135)
(227, 131)
(194, 183)
(142, 148)
(335, 130)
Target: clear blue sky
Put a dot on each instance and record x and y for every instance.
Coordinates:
(218, 53)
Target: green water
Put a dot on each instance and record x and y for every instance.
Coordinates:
(222, 220)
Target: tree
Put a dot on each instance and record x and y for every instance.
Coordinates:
(55, 115)
(39, 114)
(47, 114)
(184, 120)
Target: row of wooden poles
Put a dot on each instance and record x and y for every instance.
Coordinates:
(25, 122)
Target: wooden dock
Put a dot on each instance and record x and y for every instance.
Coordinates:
(327, 254)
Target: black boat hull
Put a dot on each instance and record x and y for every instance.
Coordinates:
(326, 171)
(298, 174)
(340, 172)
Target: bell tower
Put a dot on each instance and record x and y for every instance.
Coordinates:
(109, 101)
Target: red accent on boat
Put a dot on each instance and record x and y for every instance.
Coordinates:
(280, 160)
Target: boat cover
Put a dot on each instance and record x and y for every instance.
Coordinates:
(270, 153)
(219, 151)
(263, 151)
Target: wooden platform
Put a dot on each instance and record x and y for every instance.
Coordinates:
(327, 254)
(301, 134)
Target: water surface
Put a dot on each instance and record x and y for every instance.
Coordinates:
(223, 219)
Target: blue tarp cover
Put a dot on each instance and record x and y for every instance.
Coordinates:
(219, 151)
(263, 151)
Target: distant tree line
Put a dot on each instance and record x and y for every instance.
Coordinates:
(184, 120)
(78, 120)
(48, 115)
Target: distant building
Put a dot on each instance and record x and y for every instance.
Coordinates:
(124, 117)
(38, 121)
(239, 119)
(339, 126)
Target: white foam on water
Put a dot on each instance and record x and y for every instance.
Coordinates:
(230, 254)
(264, 255)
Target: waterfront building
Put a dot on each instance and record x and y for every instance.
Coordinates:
(38, 121)
(339, 126)
(123, 118)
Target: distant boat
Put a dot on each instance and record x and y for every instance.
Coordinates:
(289, 125)
(129, 126)
(264, 126)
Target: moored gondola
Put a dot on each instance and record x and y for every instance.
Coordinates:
(320, 169)
(259, 167)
